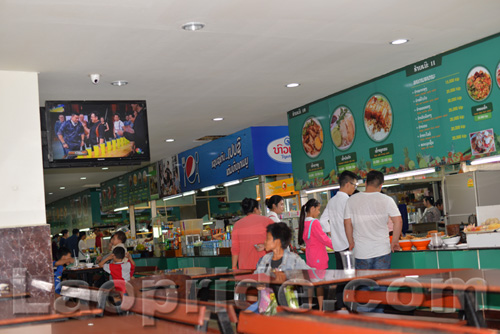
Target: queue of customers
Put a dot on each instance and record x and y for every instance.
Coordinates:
(355, 222)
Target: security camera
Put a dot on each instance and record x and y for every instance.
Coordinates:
(95, 78)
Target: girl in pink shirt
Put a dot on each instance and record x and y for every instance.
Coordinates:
(311, 233)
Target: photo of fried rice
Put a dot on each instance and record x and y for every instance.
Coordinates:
(312, 137)
(479, 83)
(378, 117)
(482, 142)
(342, 128)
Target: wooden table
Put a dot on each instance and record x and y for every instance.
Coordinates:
(463, 283)
(181, 281)
(85, 274)
(302, 278)
(316, 278)
(108, 325)
(319, 322)
(27, 311)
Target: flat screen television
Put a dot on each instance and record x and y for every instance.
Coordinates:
(94, 133)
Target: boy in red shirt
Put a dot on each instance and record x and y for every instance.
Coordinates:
(119, 270)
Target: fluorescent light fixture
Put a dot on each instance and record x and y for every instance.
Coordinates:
(208, 188)
(189, 193)
(311, 191)
(399, 41)
(106, 238)
(51, 193)
(231, 183)
(62, 188)
(83, 178)
(172, 197)
(252, 179)
(208, 223)
(390, 185)
(218, 119)
(121, 209)
(293, 85)
(105, 168)
(485, 160)
(193, 26)
(85, 229)
(119, 83)
(409, 173)
(170, 140)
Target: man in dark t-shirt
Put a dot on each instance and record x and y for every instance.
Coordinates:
(96, 135)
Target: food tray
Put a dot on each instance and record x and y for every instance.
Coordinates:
(480, 232)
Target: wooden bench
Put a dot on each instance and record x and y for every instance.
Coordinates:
(169, 309)
(223, 313)
(319, 322)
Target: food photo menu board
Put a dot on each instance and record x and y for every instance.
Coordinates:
(129, 189)
(438, 111)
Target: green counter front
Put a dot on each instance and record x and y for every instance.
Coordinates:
(486, 258)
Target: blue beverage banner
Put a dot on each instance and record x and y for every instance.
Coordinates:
(222, 160)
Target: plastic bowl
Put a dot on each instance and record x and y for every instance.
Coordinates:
(405, 245)
(451, 241)
(421, 244)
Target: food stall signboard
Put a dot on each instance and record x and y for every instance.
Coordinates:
(438, 111)
(249, 152)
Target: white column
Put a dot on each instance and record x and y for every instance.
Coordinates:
(22, 199)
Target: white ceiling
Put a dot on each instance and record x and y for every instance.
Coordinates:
(235, 68)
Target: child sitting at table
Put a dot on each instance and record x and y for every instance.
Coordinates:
(119, 270)
(63, 258)
(274, 263)
(279, 258)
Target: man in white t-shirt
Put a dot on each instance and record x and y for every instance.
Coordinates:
(117, 126)
(333, 216)
(332, 220)
(365, 222)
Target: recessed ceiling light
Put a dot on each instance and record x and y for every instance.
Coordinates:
(119, 83)
(293, 84)
(169, 140)
(62, 188)
(193, 26)
(105, 168)
(83, 178)
(399, 41)
(217, 119)
(51, 193)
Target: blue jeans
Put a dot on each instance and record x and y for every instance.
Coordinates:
(380, 262)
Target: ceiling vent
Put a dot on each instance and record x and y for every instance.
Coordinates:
(209, 138)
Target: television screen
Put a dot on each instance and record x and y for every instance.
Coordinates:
(95, 133)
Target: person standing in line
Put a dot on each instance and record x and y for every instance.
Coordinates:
(365, 221)
(82, 246)
(276, 206)
(72, 243)
(334, 215)
(248, 237)
(64, 236)
(315, 239)
(334, 210)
